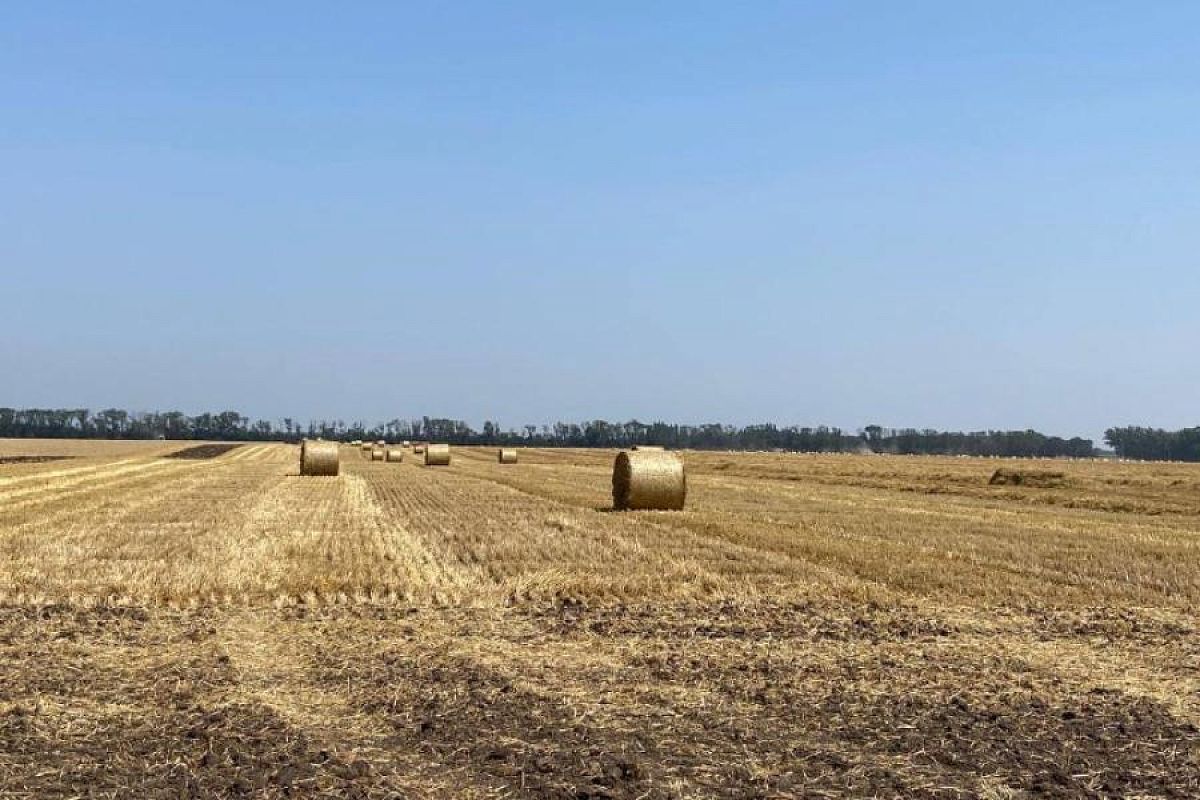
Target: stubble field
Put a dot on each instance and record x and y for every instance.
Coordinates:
(811, 626)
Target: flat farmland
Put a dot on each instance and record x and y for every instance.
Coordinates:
(215, 625)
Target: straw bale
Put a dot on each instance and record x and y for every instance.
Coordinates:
(318, 458)
(649, 480)
(437, 455)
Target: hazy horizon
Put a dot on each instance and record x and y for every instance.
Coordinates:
(369, 423)
(929, 216)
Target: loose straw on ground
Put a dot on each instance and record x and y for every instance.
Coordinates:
(1037, 478)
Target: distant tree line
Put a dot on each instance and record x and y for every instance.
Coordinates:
(115, 423)
(982, 443)
(1155, 444)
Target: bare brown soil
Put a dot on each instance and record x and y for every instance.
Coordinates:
(202, 451)
(31, 459)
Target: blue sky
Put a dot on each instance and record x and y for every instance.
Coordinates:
(956, 215)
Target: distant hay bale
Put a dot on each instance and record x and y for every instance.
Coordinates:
(381, 443)
(318, 458)
(649, 480)
(437, 455)
(1036, 478)
(394, 454)
(356, 443)
(653, 448)
(406, 443)
(418, 448)
(507, 455)
(377, 454)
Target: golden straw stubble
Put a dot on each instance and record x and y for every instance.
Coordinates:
(649, 480)
(318, 458)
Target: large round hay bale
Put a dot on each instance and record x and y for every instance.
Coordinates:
(394, 454)
(653, 448)
(318, 458)
(437, 455)
(507, 455)
(649, 480)
(377, 454)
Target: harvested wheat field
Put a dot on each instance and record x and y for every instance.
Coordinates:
(216, 625)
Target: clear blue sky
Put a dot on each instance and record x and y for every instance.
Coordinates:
(961, 215)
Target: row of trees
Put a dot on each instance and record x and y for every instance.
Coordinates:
(982, 443)
(1155, 444)
(115, 423)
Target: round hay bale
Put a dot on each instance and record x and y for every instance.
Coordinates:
(437, 455)
(507, 455)
(318, 458)
(419, 449)
(649, 480)
(377, 454)
(381, 443)
(653, 448)
(394, 454)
